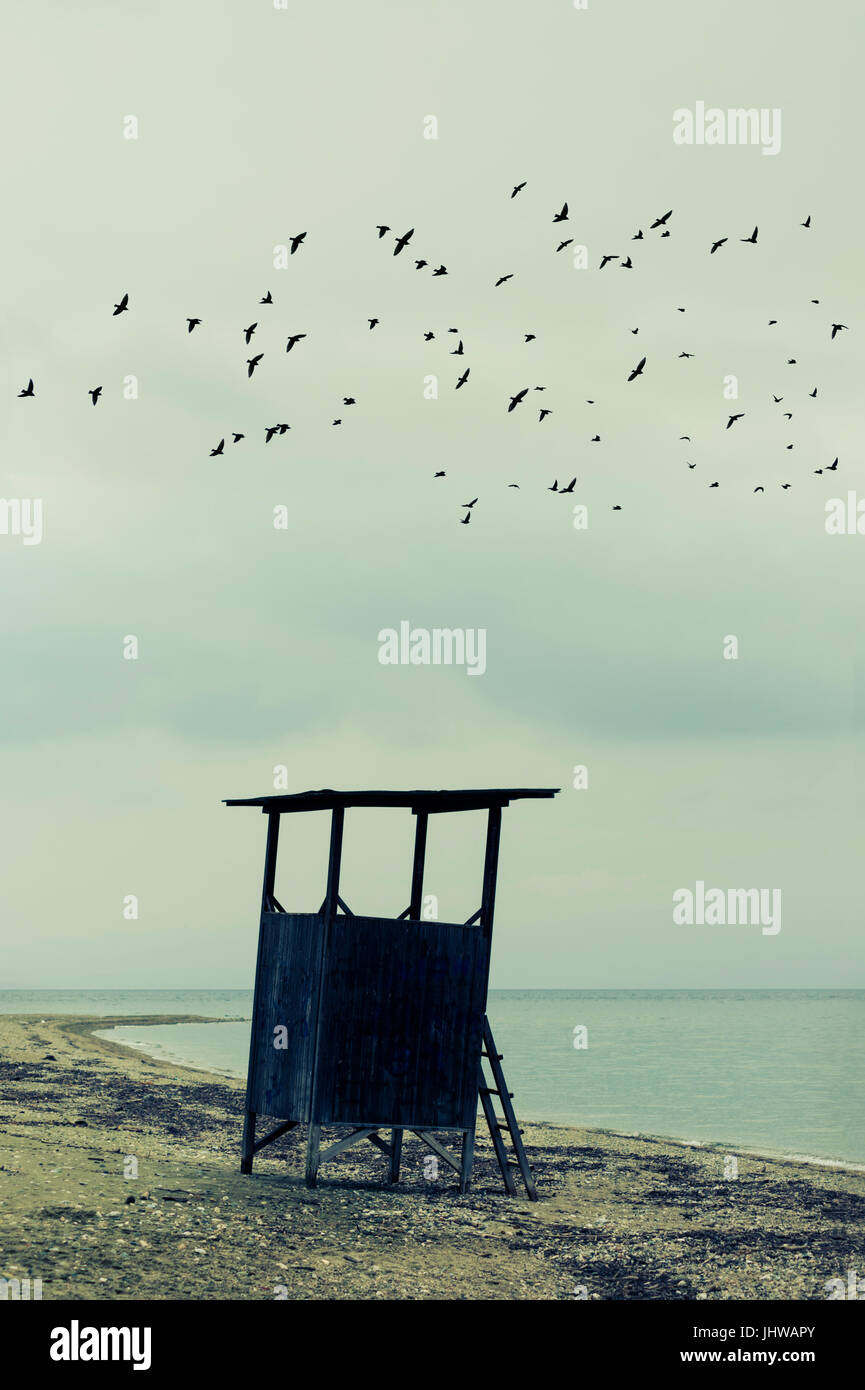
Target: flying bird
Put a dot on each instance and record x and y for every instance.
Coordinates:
(269, 432)
(831, 467)
(295, 338)
(502, 278)
(542, 414)
(336, 422)
(28, 389)
(563, 215)
(638, 370)
(193, 323)
(529, 337)
(807, 222)
(570, 486)
(733, 418)
(660, 221)
(121, 307)
(381, 231)
(268, 298)
(518, 188)
(686, 354)
(813, 393)
(349, 400)
(515, 400)
(372, 323)
(458, 350)
(403, 241)
(470, 504)
(440, 474)
(463, 379)
(752, 238)
(95, 394)
(441, 271)
(627, 265)
(562, 244)
(297, 241)
(466, 519)
(428, 337)
(836, 328)
(236, 438)
(252, 363)
(713, 485)
(608, 258)
(555, 486)
(759, 489)
(419, 265)
(716, 245)
(248, 332)
(218, 449)
(638, 237)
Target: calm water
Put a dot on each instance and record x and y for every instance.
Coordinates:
(779, 1071)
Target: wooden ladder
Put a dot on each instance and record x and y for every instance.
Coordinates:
(508, 1125)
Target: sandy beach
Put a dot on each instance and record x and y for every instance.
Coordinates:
(619, 1217)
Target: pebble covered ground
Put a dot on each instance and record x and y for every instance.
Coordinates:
(619, 1217)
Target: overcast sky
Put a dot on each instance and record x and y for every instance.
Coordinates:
(259, 647)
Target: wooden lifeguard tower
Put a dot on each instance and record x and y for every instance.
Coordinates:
(377, 1022)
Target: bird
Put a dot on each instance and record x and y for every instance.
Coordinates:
(419, 265)
(807, 222)
(337, 422)
(502, 278)
(218, 449)
(381, 231)
(639, 236)
(777, 399)
(686, 354)
(831, 467)
(660, 221)
(442, 270)
(759, 489)
(349, 400)
(785, 486)
(733, 418)
(440, 474)
(791, 361)
(95, 394)
(638, 370)
(713, 485)
(28, 389)
(542, 414)
(518, 187)
(453, 330)
(121, 307)
(470, 504)
(372, 323)
(685, 436)
(771, 322)
(463, 379)
(193, 323)
(635, 330)
(282, 428)
(268, 298)
(692, 465)
(515, 400)
(789, 446)
(562, 244)
(570, 486)
(269, 432)
(529, 337)
(627, 265)
(595, 439)
(788, 414)
(563, 215)
(716, 245)
(252, 363)
(403, 241)
(818, 470)
(458, 350)
(513, 484)
(752, 238)
(236, 438)
(248, 332)
(617, 508)
(680, 311)
(813, 393)
(466, 519)
(555, 486)
(428, 337)
(608, 258)
(295, 338)
(836, 328)
(297, 241)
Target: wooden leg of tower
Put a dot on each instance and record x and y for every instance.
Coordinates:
(313, 1149)
(395, 1154)
(467, 1160)
(248, 1145)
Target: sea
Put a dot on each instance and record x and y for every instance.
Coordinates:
(777, 1072)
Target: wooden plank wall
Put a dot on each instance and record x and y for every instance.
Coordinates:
(290, 968)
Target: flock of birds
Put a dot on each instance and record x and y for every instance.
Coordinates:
(401, 242)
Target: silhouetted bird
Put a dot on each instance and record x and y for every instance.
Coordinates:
(441, 271)
(529, 337)
(419, 265)
(831, 467)
(608, 258)
(717, 244)
(638, 237)
(752, 238)
(759, 489)
(252, 363)
(28, 389)
(807, 222)
(248, 332)
(515, 400)
(95, 394)
(788, 414)
(403, 241)
(686, 354)
(638, 370)
(337, 422)
(518, 187)
(836, 328)
(777, 399)
(627, 265)
(713, 485)
(268, 298)
(570, 486)
(562, 244)
(542, 414)
(381, 231)
(193, 323)
(785, 486)
(563, 215)
(733, 418)
(470, 504)
(282, 428)
(295, 338)
(297, 241)
(236, 438)
(813, 393)
(660, 221)
(617, 509)
(466, 519)
(428, 337)
(458, 350)
(595, 439)
(502, 278)
(349, 400)
(121, 307)
(372, 323)
(269, 432)
(555, 486)
(218, 449)
(440, 474)
(463, 379)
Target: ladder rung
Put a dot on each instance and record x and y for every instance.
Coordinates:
(502, 1124)
(493, 1056)
(494, 1091)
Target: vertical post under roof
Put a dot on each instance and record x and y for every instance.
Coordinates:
(422, 820)
(328, 912)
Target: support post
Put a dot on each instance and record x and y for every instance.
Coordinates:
(248, 1142)
(328, 912)
(395, 1154)
(418, 865)
(491, 863)
(467, 1160)
(313, 1151)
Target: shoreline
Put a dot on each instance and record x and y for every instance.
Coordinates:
(709, 1145)
(620, 1216)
